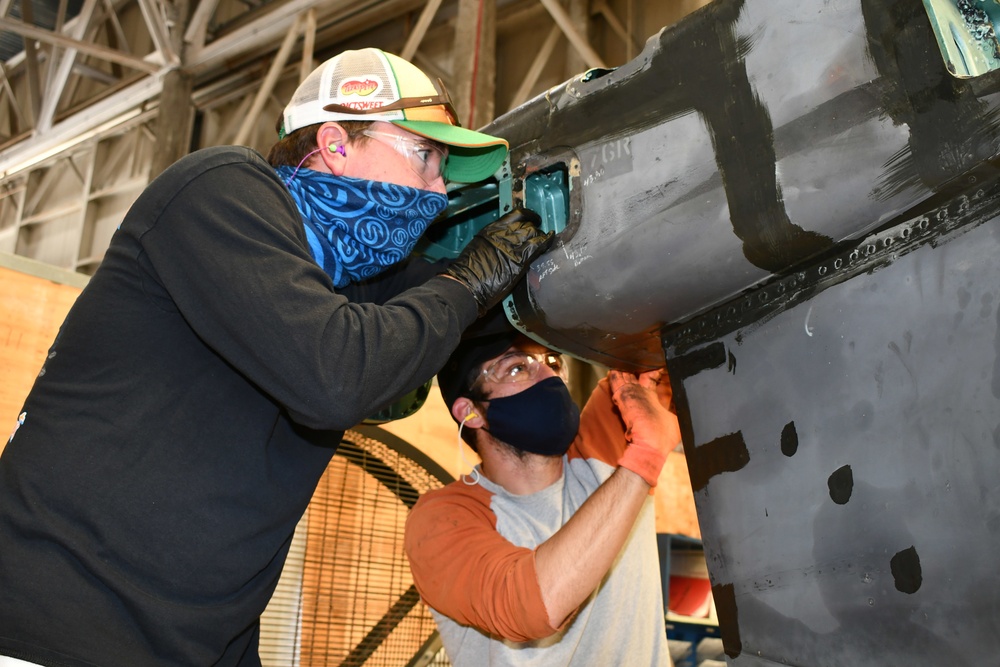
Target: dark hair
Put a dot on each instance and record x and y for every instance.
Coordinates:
(291, 150)
(485, 338)
(460, 372)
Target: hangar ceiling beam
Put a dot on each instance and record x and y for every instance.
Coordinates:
(270, 79)
(80, 46)
(578, 13)
(579, 41)
(601, 7)
(156, 23)
(308, 44)
(541, 59)
(121, 84)
(474, 61)
(63, 66)
(197, 29)
(31, 65)
(420, 29)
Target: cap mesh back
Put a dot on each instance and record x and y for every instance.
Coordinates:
(350, 65)
(308, 90)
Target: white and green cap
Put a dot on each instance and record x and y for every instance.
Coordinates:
(370, 84)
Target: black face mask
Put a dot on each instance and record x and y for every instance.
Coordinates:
(542, 419)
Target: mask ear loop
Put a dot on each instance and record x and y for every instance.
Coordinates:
(462, 461)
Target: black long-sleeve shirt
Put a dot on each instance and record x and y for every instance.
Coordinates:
(191, 401)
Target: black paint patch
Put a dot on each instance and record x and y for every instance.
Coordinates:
(906, 572)
(700, 66)
(681, 368)
(725, 454)
(951, 129)
(789, 440)
(841, 485)
(729, 622)
(693, 363)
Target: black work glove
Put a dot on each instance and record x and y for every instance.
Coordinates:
(497, 256)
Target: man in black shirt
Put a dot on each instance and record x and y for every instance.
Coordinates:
(202, 381)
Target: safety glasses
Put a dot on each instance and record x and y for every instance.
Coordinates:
(518, 366)
(426, 159)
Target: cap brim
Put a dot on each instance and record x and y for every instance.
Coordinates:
(470, 353)
(472, 156)
(485, 338)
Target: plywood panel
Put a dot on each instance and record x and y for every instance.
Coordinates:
(31, 310)
(675, 510)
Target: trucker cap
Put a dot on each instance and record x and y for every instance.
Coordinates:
(486, 338)
(370, 84)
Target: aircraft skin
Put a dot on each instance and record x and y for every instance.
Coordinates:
(794, 205)
(749, 138)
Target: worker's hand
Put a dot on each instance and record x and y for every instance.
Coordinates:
(651, 429)
(498, 256)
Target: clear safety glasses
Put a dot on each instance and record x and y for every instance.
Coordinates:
(517, 366)
(426, 159)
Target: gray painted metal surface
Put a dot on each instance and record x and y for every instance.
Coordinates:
(844, 449)
(796, 207)
(753, 136)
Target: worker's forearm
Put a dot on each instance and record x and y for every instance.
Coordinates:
(571, 563)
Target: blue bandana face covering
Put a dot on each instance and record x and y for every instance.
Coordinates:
(357, 228)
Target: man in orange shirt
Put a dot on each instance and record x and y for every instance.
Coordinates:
(547, 552)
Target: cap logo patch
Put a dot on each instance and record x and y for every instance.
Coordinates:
(360, 87)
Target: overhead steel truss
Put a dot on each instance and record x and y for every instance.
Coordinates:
(93, 107)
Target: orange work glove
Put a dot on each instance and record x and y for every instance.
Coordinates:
(652, 430)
